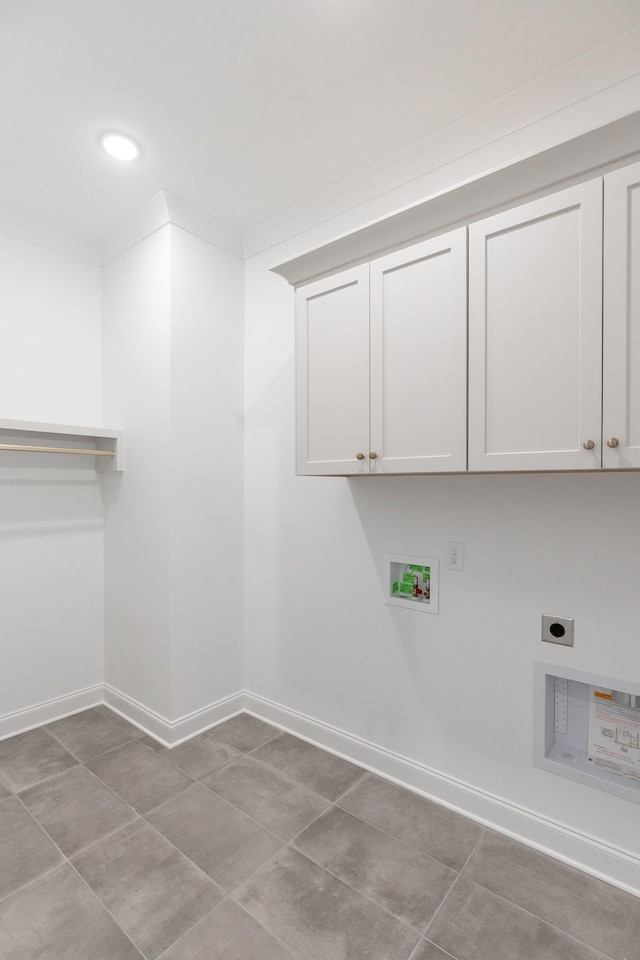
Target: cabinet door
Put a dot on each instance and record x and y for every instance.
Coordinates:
(535, 334)
(419, 357)
(621, 386)
(332, 367)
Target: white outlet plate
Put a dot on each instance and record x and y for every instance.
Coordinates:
(557, 630)
(455, 555)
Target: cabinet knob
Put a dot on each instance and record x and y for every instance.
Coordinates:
(613, 442)
(588, 444)
(373, 455)
(359, 456)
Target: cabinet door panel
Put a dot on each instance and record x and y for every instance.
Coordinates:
(332, 350)
(621, 387)
(535, 334)
(418, 357)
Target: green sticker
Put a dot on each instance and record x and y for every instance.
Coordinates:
(407, 578)
(416, 568)
(394, 588)
(406, 588)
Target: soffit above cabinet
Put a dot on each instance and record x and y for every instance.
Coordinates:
(600, 150)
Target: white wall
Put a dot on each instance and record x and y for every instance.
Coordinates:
(452, 692)
(51, 545)
(207, 300)
(173, 307)
(136, 337)
(50, 367)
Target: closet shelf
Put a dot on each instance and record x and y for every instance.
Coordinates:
(25, 436)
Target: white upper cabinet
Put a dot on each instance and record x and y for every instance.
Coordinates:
(535, 334)
(419, 357)
(621, 368)
(550, 361)
(332, 368)
(381, 365)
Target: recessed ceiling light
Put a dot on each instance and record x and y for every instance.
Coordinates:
(120, 147)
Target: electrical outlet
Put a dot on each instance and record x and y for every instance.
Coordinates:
(455, 556)
(557, 630)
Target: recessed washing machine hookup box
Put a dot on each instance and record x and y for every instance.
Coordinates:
(411, 582)
(587, 728)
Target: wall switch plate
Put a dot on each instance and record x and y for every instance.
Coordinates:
(455, 555)
(557, 630)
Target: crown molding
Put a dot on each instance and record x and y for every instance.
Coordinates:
(587, 93)
(567, 164)
(160, 210)
(144, 221)
(194, 220)
(33, 231)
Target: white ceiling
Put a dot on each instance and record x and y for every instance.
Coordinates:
(246, 108)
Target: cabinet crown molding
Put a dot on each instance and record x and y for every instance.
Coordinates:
(569, 163)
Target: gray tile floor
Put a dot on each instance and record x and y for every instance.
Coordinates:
(249, 844)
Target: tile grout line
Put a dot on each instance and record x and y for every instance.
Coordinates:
(285, 776)
(524, 909)
(395, 840)
(223, 800)
(449, 891)
(229, 899)
(364, 896)
(110, 833)
(290, 843)
(209, 733)
(244, 882)
(120, 746)
(377, 906)
(51, 733)
(225, 896)
(268, 766)
(444, 900)
(334, 806)
(67, 862)
(445, 953)
(294, 783)
(158, 746)
(284, 844)
(137, 817)
(298, 783)
(119, 796)
(392, 836)
(142, 818)
(597, 954)
(193, 926)
(271, 933)
(335, 803)
(29, 883)
(107, 911)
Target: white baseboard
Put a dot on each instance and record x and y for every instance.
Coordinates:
(22, 720)
(589, 854)
(171, 733)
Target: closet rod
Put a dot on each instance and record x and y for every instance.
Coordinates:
(20, 448)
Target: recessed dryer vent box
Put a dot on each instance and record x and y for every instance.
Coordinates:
(587, 728)
(411, 582)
